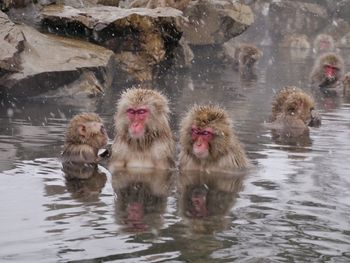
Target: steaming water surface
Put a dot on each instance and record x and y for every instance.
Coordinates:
(292, 206)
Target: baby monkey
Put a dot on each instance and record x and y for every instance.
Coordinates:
(208, 142)
(327, 71)
(292, 109)
(85, 135)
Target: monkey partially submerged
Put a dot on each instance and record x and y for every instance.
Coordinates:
(327, 71)
(323, 43)
(143, 135)
(85, 135)
(293, 111)
(208, 142)
(245, 58)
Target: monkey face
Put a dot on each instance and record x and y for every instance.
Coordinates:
(330, 72)
(201, 141)
(137, 117)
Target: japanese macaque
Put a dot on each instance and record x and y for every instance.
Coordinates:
(85, 135)
(323, 43)
(327, 71)
(143, 135)
(245, 58)
(141, 198)
(208, 142)
(293, 111)
(299, 41)
(205, 200)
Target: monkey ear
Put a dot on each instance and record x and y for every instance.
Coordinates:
(82, 130)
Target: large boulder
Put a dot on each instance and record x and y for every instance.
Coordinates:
(215, 21)
(11, 45)
(46, 63)
(141, 37)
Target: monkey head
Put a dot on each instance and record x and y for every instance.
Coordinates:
(301, 106)
(141, 111)
(86, 128)
(332, 66)
(324, 42)
(249, 55)
(206, 132)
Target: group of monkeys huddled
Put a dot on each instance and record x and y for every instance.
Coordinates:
(144, 138)
(207, 139)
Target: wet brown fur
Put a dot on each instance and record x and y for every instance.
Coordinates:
(296, 41)
(225, 150)
(156, 147)
(246, 56)
(292, 108)
(326, 38)
(78, 148)
(318, 77)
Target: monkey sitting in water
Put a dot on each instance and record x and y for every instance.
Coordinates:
(326, 72)
(208, 142)
(245, 58)
(323, 43)
(143, 135)
(85, 135)
(293, 111)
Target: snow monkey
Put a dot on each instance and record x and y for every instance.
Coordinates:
(327, 70)
(323, 43)
(208, 142)
(245, 57)
(85, 135)
(292, 108)
(143, 135)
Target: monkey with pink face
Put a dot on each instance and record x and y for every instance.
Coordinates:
(143, 135)
(208, 142)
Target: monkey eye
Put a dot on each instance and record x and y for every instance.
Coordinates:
(141, 111)
(206, 133)
(131, 111)
(198, 132)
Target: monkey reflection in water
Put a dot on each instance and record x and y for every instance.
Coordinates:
(141, 198)
(84, 182)
(206, 199)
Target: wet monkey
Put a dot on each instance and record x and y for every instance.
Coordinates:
(85, 135)
(143, 135)
(327, 70)
(323, 43)
(292, 108)
(208, 142)
(246, 57)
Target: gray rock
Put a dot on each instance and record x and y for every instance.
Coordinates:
(47, 63)
(215, 21)
(11, 44)
(142, 38)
